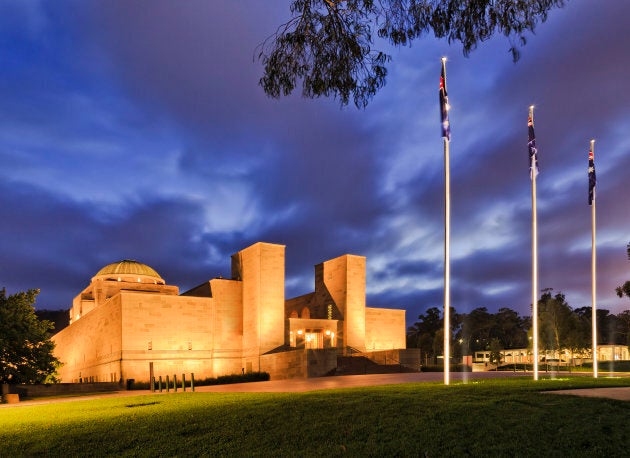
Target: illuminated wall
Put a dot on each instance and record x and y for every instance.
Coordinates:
(102, 289)
(384, 329)
(343, 279)
(178, 334)
(260, 268)
(90, 348)
(122, 325)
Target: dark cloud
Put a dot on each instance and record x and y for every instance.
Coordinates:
(137, 130)
(57, 245)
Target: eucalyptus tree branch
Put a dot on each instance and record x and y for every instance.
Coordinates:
(328, 47)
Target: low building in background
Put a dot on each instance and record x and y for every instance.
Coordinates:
(129, 324)
(564, 357)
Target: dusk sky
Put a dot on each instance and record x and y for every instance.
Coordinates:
(137, 130)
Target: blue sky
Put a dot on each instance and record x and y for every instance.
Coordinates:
(137, 130)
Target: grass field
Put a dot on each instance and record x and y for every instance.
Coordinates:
(502, 417)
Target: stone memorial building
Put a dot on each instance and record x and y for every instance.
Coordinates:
(128, 323)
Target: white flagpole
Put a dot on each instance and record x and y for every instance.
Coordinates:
(447, 263)
(534, 262)
(594, 276)
(447, 238)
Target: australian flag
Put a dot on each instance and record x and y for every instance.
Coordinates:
(592, 179)
(444, 107)
(531, 144)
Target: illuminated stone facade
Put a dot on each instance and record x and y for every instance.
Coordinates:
(128, 320)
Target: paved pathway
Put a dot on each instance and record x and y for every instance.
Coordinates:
(351, 381)
(620, 393)
(347, 381)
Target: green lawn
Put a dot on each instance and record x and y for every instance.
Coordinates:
(509, 417)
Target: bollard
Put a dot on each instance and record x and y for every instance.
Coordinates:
(183, 382)
(192, 381)
(160, 383)
(168, 388)
(175, 383)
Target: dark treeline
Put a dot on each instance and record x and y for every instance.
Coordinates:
(59, 318)
(559, 325)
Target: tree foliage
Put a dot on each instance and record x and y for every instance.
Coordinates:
(495, 348)
(59, 318)
(623, 327)
(557, 321)
(427, 333)
(26, 351)
(329, 45)
(422, 334)
(624, 290)
(560, 327)
(480, 328)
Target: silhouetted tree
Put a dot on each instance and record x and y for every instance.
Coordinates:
(422, 333)
(580, 337)
(427, 333)
(623, 290)
(606, 327)
(26, 351)
(328, 45)
(495, 348)
(59, 318)
(511, 328)
(623, 326)
(478, 327)
(555, 321)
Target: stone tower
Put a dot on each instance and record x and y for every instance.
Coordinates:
(343, 278)
(261, 269)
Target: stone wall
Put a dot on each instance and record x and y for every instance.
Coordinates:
(409, 357)
(297, 307)
(384, 329)
(182, 334)
(178, 334)
(299, 363)
(261, 269)
(284, 365)
(321, 362)
(100, 290)
(225, 326)
(90, 348)
(343, 280)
